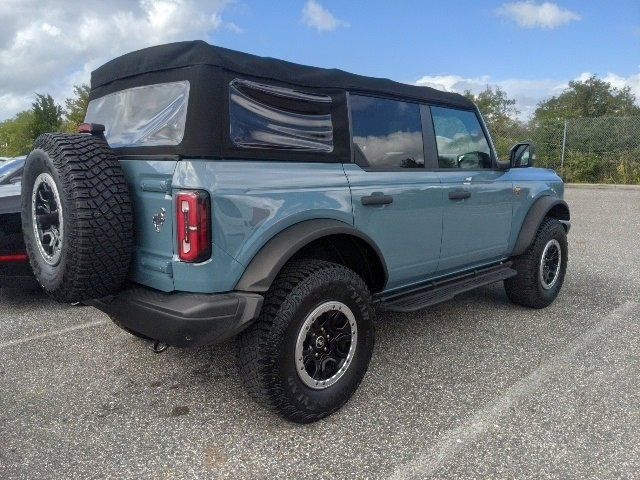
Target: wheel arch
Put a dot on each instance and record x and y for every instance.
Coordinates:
(323, 239)
(546, 206)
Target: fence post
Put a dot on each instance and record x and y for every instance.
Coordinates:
(564, 143)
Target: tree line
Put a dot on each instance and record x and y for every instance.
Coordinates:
(603, 138)
(17, 134)
(587, 159)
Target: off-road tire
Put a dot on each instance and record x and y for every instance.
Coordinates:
(266, 350)
(525, 288)
(97, 243)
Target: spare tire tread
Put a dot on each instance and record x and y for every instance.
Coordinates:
(99, 220)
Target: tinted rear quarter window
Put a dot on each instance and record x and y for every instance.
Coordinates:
(460, 139)
(387, 134)
(270, 117)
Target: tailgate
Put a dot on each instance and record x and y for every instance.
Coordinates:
(150, 189)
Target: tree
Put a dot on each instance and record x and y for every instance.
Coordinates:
(500, 113)
(16, 134)
(76, 108)
(47, 115)
(589, 98)
(494, 104)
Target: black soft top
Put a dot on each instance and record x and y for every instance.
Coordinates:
(210, 71)
(188, 54)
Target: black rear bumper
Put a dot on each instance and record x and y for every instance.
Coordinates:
(181, 319)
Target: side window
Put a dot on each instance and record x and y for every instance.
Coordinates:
(276, 118)
(460, 140)
(386, 133)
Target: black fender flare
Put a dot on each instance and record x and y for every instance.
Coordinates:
(534, 217)
(270, 259)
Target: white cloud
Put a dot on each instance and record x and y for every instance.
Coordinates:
(316, 16)
(528, 14)
(47, 46)
(526, 92)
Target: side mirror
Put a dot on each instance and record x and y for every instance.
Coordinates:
(522, 154)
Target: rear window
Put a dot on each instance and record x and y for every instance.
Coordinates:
(143, 116)
(269, 117)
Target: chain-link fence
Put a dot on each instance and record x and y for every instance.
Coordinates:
(587, 150)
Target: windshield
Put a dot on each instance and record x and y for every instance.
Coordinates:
(10, 167)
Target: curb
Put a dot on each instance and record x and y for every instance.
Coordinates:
(603, 186)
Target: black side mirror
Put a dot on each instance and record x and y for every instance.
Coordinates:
(522, 154)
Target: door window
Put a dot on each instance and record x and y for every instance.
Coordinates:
(387, 134)
(460, 139)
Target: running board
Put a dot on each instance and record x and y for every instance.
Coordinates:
(442, 290)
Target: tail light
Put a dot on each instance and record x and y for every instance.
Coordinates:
(193, 214)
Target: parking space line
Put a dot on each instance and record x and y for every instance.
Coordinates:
(55, 333)
(453, 440)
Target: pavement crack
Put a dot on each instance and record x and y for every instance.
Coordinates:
(20, 341)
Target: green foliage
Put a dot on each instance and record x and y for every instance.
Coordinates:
(587, 99)
(495, 106)
(76, 108)
(18, 133)
(47, 116)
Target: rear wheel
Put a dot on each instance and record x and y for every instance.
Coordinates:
(541, 269)
(311, 346)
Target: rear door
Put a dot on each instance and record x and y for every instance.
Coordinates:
(478, 198)
(396, 201)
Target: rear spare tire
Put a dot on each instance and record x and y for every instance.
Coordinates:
(76, 217)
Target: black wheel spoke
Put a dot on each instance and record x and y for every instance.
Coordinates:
(326, 345)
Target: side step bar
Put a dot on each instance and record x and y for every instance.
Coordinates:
(442, 290)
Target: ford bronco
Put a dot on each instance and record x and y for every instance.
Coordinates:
(214, 194)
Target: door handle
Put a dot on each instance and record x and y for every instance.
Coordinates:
(377, 198)
(459, 194)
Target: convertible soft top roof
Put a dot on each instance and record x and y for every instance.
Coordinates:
(194, 53)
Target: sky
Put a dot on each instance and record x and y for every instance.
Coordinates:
(529, 48)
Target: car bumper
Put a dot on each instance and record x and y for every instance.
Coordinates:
(181, 319)
(15, 271)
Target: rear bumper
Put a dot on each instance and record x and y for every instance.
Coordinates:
(181, 319)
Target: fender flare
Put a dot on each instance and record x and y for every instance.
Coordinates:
(270, 259)
(534, 217)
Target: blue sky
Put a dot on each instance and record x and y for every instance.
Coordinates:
(408, 39)
(529, 48)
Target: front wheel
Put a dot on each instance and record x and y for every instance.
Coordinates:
(541, 269)
(311, 346)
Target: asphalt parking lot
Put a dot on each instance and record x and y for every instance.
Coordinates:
(473, 388)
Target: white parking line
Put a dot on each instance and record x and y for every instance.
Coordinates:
(453, 440)
(20, 341)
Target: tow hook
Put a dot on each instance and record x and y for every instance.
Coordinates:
(159, 347)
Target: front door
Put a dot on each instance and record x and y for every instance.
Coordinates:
(478, 202)
(396, 201)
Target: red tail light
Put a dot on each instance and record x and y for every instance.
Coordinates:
(193, 213)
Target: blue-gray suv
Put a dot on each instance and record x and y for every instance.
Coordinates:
(213, 194)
